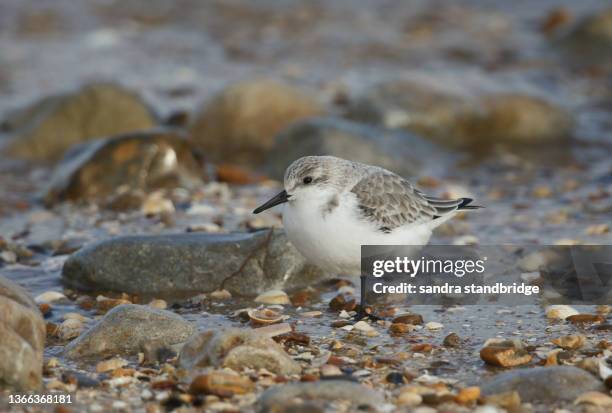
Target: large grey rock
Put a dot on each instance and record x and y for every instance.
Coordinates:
(544, 384)
(126, 329)
(45, 130)
(22, 332)
(188, 264)
(236, 349)
(133, 162)
(403, 153)
(289, 396)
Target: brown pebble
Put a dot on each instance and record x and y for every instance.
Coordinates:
(309, 377)
(504, 356)
(555, 19)
(123, 372)
(510, 401)
(468, 395)
(400, 328)
(163, 384)
(586, 318)
(335, 361)
(343, 302)
(571, 342)
(410, 318)
(300, 298)
(340, 323)
(44, 308)
(422, 348)
(52, 329)
(294, 337)
(452, 340)
(220, 384)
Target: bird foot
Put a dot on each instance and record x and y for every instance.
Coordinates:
(366, 312)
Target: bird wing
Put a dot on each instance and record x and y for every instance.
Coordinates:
(390, 201)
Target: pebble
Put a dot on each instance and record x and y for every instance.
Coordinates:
(401, 328)
(328, 370)
(156, 204)
(75, 316)
(571, 342)
(236, 349)
(49, 297)
(363, 326)
(543, 384)
(273, 297)
(433, 325)
(70, 329)
(597, 229)
(8, 256)
(468, 395)
(594, 398)
(452, 340)
(585, 318)
(126, 329)
(221, 384)
(504, 356)
(408, 318)
(560, 312)
(409, 399)
(221, 295)
(159, 304)
(311, 314)
(111, 364)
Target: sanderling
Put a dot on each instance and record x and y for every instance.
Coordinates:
(334, 206)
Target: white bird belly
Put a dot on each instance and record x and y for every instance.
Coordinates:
(332, 240)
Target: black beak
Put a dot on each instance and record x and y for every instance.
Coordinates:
(278, 199)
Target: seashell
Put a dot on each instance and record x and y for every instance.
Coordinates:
(264, 316)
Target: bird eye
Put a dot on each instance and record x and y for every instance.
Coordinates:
(307, 180)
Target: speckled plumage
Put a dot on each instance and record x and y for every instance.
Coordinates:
(333, 206)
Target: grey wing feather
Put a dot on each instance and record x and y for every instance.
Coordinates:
(390, 201)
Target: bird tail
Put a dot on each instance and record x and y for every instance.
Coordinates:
(465, 204)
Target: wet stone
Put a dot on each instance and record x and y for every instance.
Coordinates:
(590, 40)
(236, 349)
(49, 127)
(126, 329)
(452, 340)
(221, 384)
(137, 163)
(402, 153)
(410, 318)
(246, 264)
(461, 119)
(23, 334)
(240, 123)
(544, 384)
(291, 396)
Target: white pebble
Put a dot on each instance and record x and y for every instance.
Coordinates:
(560, 312)
(432, 325)
(49, 297)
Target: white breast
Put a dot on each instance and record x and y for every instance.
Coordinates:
(332, 240)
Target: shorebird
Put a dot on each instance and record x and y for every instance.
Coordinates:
(333, 206)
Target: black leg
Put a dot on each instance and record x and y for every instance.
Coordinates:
(361, 311)
(362, 302)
